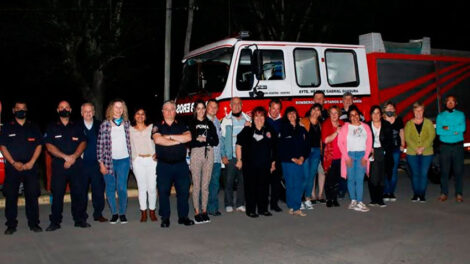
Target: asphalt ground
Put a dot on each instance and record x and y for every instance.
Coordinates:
(403, 232)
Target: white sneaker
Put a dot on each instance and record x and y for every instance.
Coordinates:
(352, 205)
(361, 207)
(241, 209)
(302, 206)
(308, 205)
(228, 209)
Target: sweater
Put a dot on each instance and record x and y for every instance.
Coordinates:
(424, 139)
(455, 121)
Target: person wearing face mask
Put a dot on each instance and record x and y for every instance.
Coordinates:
(21, 144)
(114, 154)
(398, 145)
(450, 126)
(65, 141)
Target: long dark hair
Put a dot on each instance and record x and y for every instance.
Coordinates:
(289, 110)
(315, 105)
(137, 109)
(198, 102)
(372, 109)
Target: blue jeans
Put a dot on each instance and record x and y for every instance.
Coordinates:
(391, 184)
(310, 167)
(214, 185)
(419, 166)
(293, 175)
(118, 181)
(355, 175)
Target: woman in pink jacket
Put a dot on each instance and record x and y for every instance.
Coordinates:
(355, 143)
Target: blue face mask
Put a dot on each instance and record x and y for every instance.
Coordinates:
(117, 121)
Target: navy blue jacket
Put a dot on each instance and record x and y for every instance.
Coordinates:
(292, 142)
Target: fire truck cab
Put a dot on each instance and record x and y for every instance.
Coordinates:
(258, 71)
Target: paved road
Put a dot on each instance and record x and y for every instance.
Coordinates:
(404, 232)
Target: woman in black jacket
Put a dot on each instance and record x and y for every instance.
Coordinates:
(381, 156)
(255, 151)
(293, 150)
(203, 139)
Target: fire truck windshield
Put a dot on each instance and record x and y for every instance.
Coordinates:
(206, 73)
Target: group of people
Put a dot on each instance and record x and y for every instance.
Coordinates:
(256, 151)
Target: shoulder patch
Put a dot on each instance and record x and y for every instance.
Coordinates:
(154, 129)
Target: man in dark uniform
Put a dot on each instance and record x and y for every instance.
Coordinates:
(66, 142)
(169, 137)
(91, 168)
(21, 145)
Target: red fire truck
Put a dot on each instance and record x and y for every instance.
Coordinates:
(258, 71)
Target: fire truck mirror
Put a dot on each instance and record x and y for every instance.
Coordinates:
(257, 64)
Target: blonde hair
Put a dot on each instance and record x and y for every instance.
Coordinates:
(109, 110)
(418, 105)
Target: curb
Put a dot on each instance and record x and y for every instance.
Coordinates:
(45, 199)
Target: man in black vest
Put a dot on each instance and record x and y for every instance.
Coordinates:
(91, 167)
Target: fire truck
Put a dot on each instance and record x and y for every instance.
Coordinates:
(375, 72)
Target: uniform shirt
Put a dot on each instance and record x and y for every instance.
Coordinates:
(65, 138)
(21, 140)
(170, 154)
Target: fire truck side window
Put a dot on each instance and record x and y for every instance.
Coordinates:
(273, 65)
(206, 73)
(341, 66)
(244, 72)
(306, 67)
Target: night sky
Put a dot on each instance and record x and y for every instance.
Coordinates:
(33, 67)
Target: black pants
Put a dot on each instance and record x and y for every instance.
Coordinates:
(332, 180)
(377, 176)
(275, 184)
(451, 156)
(168, 174)
(92, 176)
(60, 178)
(256, 182)
(13, 178)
